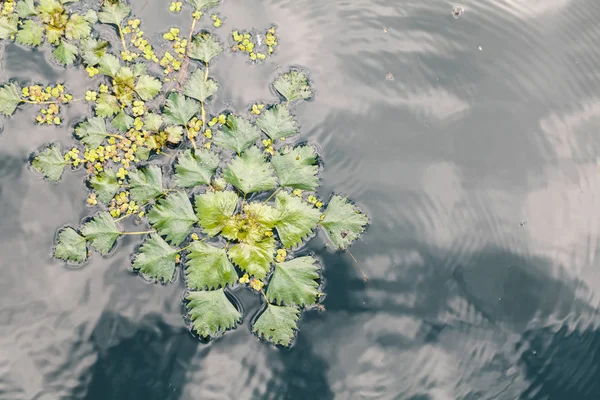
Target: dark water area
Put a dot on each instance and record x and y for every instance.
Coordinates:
(473, 145)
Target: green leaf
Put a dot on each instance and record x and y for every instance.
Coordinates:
(10, 97)
(212, 312)
(174, 134)
(156, 259)
(122, 122)
(109, 65)
(203, 4)
(204, 47)
(70, 246)
(179, 109)
(214, 209)
(277, 324)
(30, 34)
(93, 50)
(50, 163)
(107, 105)
(140, 69)
(294, 282)
(250, 172)
(142, 153)
(26, 8)
(145, 184)
(91, 16)
(147, 87)
(196, 87)
(251, 226)
(122, 85)
(262, 214)
(237, 134)
(49, 7)
(153, 122)
(101, 231)
(297, 219)
(105, 184)
(66, 53)
(195, 168)
(343, 222)
(92, 132)
(113, 13)
(77, 28)
(254, 258)
(293, 85)
(9, 25)
(297, 168)
(173, 217)
(208, 267)
(277, 122)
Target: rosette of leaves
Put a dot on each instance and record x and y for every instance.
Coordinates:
(32, 21)
(229, 213)
(127, 83)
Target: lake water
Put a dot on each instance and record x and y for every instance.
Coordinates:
(473, 145)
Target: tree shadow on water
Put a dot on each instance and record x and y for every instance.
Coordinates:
(304, 374)
(492, 290)
(146, 361)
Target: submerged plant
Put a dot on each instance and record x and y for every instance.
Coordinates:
(227, 196)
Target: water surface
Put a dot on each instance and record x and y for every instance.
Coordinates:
(476, 160)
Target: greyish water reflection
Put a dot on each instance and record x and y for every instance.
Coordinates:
(477, 165)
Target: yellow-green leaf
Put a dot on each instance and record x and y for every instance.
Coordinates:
(197, 88)
(237, 134)
(214, 209)
(211, 312)
(294, 282)
(50, 163)
(204, 47)
(208, 267)
(147, 87)
(297, 219)
(156, 259)
(277, 324)
(65, 53)
(277, 122)
(101, 231)
(30, 34)
(297, 167)
(250, 172)
(10, 97)
(343, 222)
(173, 217)
(70, 246)
(293, 85)
(254, 258)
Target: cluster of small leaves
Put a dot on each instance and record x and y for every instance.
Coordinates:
(29, 22)
(50, 97)
(258, 46)
(233, 201)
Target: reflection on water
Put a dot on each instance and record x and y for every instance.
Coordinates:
(478, 167)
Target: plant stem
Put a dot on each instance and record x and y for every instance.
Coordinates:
(191, 138)
(365, 279)
(194, 21)
(202, 103)
(122, 38)
(272, 194)
(185, 248)
(137, 233)
(116, 136)
(48, 102)
(123, 217)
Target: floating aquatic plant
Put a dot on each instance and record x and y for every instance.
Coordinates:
(227, 196)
